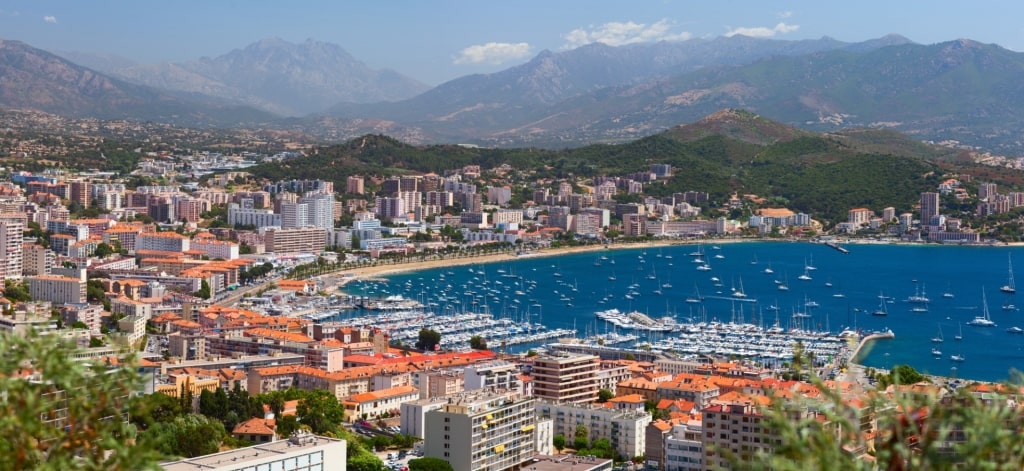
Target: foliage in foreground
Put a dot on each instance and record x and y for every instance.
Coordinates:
(914, 430)
(40, 383)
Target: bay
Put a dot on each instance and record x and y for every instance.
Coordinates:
(565, 291)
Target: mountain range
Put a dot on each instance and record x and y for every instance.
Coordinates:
(960, 90)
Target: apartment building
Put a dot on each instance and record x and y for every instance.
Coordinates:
(57, 289)
(162, 241)
(213, 248)
(624, 427)
(490, 431)
(12, 225)
(374, 404)
(301, 451)
(566, 377)
(306, 239)
(37, 260)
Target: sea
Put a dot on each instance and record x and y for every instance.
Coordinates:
(838, 290)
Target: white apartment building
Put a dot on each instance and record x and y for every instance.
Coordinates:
(57, 289)
(491, 376)
(625, 429)
(162, 241)
(12, 225)
(684, 448)
(300, 452)
(414, 414)
(490, 431)
(214, 248)
(239, 215)
(319, 209)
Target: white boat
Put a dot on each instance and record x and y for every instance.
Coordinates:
(936, 352)
(739, 292)
(810, 304)
(806, 276)
(957, 358)
(938, 338)
(1009, 287)
(919, 296)
(983, 320)
(768, 270)
(1015, 330)
(882, 309)
(695, 298)
(810, 266)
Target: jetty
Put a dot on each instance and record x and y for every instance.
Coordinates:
(888, 334)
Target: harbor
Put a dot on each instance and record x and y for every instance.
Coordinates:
(773, 295)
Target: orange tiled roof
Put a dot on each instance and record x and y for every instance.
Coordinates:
(256, 426)
(382, 394)
(629, 399)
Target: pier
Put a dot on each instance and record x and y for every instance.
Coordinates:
(888, 334)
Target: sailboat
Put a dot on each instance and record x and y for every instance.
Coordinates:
(784, 285)
(959, 336)
(1009, 288)
(936, 352)
(948, 293)
(768, 270)
(882, 309)
(739, 292)
(810, 266)
(806, 276)
(983, 320)
(958, 357)
(695, 298)
(938, 338)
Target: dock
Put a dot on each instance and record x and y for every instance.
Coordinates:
(835, 245)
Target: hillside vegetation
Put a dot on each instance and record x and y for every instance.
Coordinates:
(728, 152)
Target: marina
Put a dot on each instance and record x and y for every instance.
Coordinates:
(637, 284)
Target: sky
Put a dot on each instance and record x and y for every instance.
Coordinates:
(438, 40)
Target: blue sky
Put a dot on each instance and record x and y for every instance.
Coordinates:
(436, 41)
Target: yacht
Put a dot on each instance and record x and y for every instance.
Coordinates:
(1015, 330)
(936, 352)
(957, 358)
(882, 309)
(1009, 287)
(938, 338)
(983, 320)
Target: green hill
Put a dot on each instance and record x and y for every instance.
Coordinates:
(727, 152)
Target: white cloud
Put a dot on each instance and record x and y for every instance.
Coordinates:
(50, 19)
(763, 31)
(493, 53)
(619, 34)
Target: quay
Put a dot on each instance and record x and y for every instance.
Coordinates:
(888, 334)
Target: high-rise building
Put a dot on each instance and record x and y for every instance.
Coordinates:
(12, 225)
(484, 431)
(307, 239)
(929, 207)
(566, 377)
(294, 215)
(986, 191)
(37, 260)
(81, 193)
(57, 289)
(319, 209)
(355, 185)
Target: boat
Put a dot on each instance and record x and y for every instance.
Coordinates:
(919, 296)
(1015, 330)
(810, 266)
(983, 320)
(782, 286)
(695, 298)
(1009, 287)
(948, 294)
(882, 309)
(739, 292)
(768, 270)
(938, 338)
(959, 358)
(806, 276)
(959, 336)
(936, 352)
(810, 304)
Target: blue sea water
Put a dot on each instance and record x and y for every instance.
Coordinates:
(566, 291)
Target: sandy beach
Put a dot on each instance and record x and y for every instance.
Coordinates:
(339, 279)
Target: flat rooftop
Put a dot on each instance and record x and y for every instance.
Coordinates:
(238, 459)
(567, 462)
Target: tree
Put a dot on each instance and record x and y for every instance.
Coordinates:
(321, 411)
(94, 291)
(558, 442)
(429, 463)
(477, 342)
(604, 395)
(428, 339)
(204, 290)
(91, 397)
(103, 250)
(580, 437)
(16, 291)
(189, 435)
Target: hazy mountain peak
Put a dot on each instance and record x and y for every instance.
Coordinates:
(280, 76)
